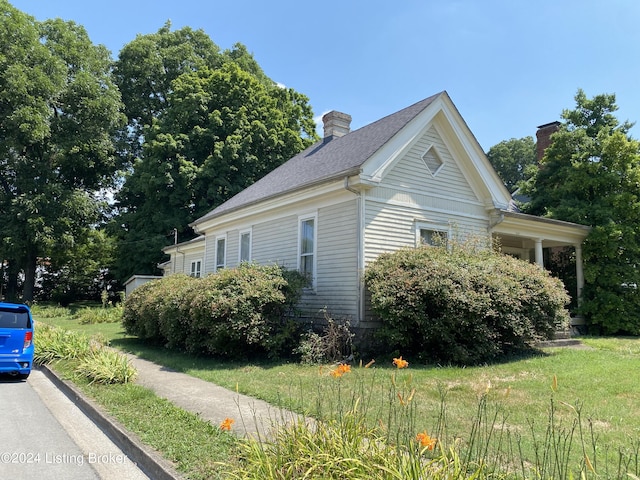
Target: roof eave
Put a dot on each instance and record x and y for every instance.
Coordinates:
(212, 215)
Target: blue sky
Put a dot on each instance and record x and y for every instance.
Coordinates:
(508, 65)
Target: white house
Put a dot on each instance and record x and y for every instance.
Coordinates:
(336, 206)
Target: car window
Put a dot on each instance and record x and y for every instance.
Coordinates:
(13, 319)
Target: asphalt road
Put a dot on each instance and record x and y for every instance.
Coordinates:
(43, 435)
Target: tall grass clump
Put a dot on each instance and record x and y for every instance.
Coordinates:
(353, 439)
(458, 304)
(50, 311)
(106, 366)
(52, 343)
(347, 444)
(92, 358)
(344, 449)
(108, 314)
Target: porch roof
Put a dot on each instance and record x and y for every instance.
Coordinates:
(529, 227)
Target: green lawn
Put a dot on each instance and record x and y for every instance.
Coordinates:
(589, 395)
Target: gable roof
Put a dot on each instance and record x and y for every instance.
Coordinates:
(325, 160)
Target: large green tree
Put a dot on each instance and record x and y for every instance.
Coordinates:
(215, 126)
(147, 66)
(59, 110)
(590, 174)
(514, 160)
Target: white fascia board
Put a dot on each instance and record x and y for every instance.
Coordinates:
(310, 198)
(381, 162)
(501, 198)
(530, 226)
(442, 115)
(194, 244)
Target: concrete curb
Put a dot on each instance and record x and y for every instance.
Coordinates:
(147, 460)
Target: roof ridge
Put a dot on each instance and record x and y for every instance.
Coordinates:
(324, 161)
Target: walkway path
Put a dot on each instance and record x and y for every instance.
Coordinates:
(211, 402)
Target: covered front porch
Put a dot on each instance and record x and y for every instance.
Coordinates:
(529, 237)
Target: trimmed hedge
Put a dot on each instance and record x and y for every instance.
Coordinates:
(462, 305)
(234, 313)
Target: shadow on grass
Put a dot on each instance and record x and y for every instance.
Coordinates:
(182, 361)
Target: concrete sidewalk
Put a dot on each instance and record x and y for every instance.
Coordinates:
(211, 402)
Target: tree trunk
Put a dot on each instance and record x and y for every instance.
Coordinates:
(11, 294)
(29, 277)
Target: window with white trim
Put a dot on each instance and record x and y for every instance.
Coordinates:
(307, 248)
(432, 234)
(245, 246)
(432, 160)
(221, 253)
(196, 268)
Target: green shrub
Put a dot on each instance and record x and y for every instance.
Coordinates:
(232, 313)
(462, 305)
(150, 311)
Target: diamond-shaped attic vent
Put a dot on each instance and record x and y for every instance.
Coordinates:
(432, 160)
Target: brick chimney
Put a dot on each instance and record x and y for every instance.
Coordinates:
(336, 124)
(543, 137)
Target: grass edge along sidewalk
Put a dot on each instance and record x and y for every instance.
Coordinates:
(150, 462)
(564, 381)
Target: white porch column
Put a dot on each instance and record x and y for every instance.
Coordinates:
(539, 256)
(579, 272)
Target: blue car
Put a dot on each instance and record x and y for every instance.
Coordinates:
(16, 340)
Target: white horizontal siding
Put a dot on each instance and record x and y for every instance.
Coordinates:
(438, 204)
(391, 227)
(232, 248)
(194, 257)
(337, 286)
(209, 265)
(275, 242)
(412, 173)
(410, 194)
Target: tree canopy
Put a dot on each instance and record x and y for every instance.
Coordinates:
(590, 174)
(209, 124)
(514, 160)
(59, 111)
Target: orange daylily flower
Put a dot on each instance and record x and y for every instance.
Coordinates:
(340, 370)
(400, 363)
(226, 424)
(426, 441)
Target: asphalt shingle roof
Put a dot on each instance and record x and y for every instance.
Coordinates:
(325, 160)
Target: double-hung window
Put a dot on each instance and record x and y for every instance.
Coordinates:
(433, 234)
(196, 268)
(245, 246)
(307, 248)
(221, 253)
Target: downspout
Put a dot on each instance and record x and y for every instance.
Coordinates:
(491, 226)
(181, 253)
(360, 247)
(175, 243)
(197, 231)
